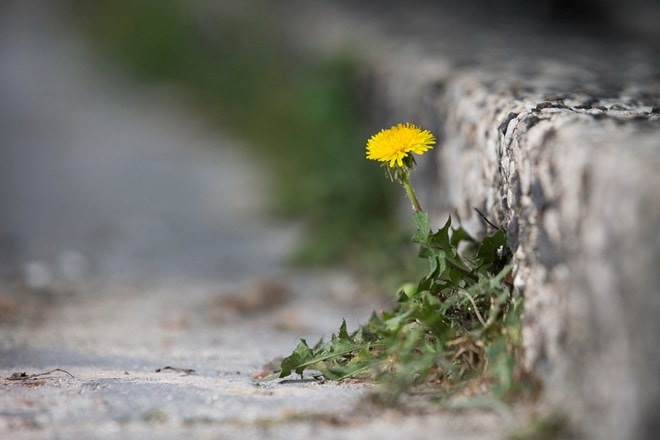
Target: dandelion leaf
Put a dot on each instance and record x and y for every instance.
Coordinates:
(298, 360)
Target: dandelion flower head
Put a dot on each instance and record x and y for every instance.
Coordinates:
(395, 143)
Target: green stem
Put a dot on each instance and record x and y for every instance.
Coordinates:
(405, 179)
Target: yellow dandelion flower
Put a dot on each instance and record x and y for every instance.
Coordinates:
(395, 143)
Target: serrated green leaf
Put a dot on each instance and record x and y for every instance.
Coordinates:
(488, 249)
(396, 321)
(422, 227)
(343, 333)
(440, 239)
(459, 235)
(409, 290)
(301, 355)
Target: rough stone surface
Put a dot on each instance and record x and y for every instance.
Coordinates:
(556, 137)
(576, 189)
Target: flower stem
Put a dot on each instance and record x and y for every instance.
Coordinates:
(405, 180)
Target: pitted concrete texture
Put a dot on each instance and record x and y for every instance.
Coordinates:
(573, 180)
(555, 135)
(114, 343)
(133, 240)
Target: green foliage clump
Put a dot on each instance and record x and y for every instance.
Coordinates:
(459, 322)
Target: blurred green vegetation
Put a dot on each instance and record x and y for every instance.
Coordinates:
(303, 114)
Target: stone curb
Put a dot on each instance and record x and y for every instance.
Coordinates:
(560, 145)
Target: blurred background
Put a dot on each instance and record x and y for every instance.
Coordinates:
(183, 138)
(167, 138)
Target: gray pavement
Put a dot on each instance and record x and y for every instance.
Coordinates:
(133, 237)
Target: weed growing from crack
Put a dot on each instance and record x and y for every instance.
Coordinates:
(456, 325)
